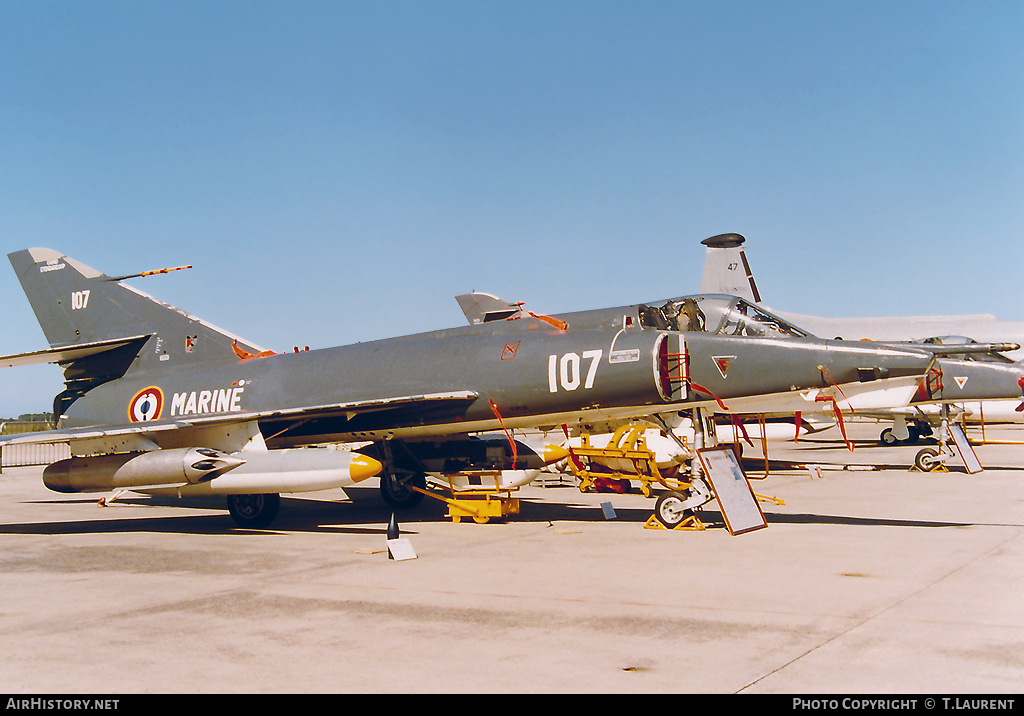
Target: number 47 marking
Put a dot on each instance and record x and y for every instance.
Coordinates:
(565, 371)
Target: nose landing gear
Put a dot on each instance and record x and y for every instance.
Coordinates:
(931, 459)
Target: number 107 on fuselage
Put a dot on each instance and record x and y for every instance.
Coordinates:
(566, 371)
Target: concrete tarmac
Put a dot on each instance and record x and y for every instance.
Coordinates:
(866, 581)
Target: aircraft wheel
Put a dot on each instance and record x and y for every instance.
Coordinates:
(254, 511)
(397, 495)
(669, 510)
(888, 437)
(927, 459)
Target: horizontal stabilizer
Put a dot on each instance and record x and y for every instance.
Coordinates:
(68, 354)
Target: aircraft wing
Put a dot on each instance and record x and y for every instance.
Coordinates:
(220, 431)
(884, 393)
(138, 431)
(336, 409)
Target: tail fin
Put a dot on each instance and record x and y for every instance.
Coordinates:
(726, 269)
(77, 305)
(483, 307)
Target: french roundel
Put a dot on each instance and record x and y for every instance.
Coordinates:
(146, 405)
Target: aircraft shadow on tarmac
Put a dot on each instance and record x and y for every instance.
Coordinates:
(370, 517)
(813, 519)
(365, 516)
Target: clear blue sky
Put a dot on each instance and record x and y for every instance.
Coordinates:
(338, 171)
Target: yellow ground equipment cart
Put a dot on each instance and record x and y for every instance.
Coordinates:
(626, 457)
(479, 496)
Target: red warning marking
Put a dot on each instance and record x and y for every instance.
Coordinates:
(723, 363)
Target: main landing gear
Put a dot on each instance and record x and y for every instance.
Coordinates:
(399, 493)
(904, 432)
(254, 511)
(474, 497)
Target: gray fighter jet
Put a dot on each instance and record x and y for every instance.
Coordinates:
(964, 371)
(157, 399)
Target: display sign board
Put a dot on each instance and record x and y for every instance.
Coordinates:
(739, 506)
(967, 454)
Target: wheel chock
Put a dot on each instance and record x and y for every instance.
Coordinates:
(690, 524)
(939, 467)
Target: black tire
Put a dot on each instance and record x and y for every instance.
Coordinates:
(888, 437)
(398, 496)
(668, 510)
(254, 511)
(928, 459)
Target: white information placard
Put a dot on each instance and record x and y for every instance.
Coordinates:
(967, 454)
(401, 549)
(739, 506)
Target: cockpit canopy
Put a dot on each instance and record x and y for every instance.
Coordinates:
(719, 314)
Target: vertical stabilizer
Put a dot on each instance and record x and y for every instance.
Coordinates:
(77, 305)
(726, 269)
(483, 307)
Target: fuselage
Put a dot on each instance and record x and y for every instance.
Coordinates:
(522, 373)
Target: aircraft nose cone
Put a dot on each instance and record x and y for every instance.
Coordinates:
(363, 467)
